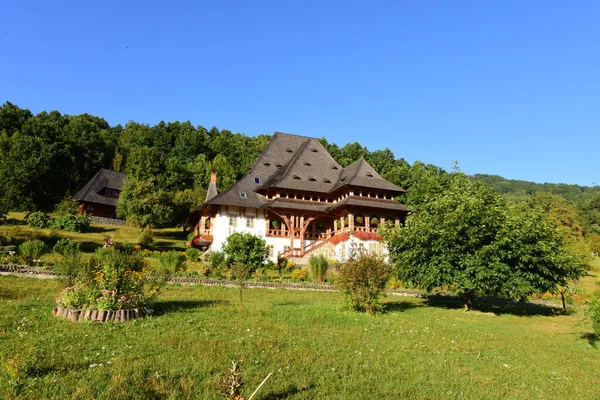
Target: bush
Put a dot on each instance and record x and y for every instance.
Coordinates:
(593, 312)
(300, 274)
(31, 251)
(72, 223)
(69, 268)
(67, 247)
(192, 254)
(126, 247)
(146, 238)
(318, 267)
(111, 281)
(67, 206)
(172, 260)
(362, 282)
(39, 220)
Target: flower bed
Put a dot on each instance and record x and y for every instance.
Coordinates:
(100, 315)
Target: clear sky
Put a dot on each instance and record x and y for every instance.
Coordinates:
(504, 87)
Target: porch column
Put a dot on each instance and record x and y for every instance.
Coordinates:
(351, 221)
(382, 220)
(368, 223)
(342, 223)
(397, 222)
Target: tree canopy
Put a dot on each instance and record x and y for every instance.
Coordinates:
(468, 238)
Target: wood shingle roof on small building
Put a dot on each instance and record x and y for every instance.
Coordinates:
(95, 191)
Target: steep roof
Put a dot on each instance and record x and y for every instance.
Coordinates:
(297, 163)
(105, 178)
(361, 174)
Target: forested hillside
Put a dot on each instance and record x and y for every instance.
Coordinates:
(49, 156)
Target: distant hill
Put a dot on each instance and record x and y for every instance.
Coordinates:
(517, 190)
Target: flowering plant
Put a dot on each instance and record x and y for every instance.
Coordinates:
(112, 281)
(367, 235)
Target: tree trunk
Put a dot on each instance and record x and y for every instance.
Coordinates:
(468, 301)
(562, 297)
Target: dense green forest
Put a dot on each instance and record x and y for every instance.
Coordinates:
(47, 157)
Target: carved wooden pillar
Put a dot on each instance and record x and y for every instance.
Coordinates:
(368, 223)
(342, 223)
(351, 221)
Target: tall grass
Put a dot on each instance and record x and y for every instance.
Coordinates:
(318, 267)
(31, 251)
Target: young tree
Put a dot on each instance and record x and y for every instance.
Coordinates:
(245, 253)
(143, 204)
(468, 238)
(362, 281)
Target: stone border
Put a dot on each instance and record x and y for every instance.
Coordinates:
(100, 315)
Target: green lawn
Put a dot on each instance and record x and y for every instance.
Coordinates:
(315, 349)
(168, 238)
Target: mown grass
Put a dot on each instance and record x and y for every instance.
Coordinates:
(166, 239)
(417, 349)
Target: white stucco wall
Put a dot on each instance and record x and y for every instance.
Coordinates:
(222, 229)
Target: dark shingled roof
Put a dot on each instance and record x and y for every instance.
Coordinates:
(292, 162)
(361, 174)
(105, 178)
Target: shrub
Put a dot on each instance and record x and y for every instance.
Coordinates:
(111, 281)
(72, 223)
(39, 220)
(318, 267)
(66, 247)
(362, 282)
(66, 206)
(126, 247)
(217, 260)
(69, 268)
(172, 261)
(300, 274)
(31, 251)
(192, 254)
(374, 221)
(146, 238)
(593, 312)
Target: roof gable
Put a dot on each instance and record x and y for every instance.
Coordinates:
(105, 178)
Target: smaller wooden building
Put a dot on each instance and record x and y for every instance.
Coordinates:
(99, 196)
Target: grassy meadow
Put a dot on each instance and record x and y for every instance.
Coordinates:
(417, 349)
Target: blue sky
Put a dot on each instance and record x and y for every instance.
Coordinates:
(504, 87)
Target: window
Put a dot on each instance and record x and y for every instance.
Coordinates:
(249, 222)
(370, 175)
(271, 250)
(326, 180)
(232, 220)
(286, 249)
(289, 151)
(243, 195)
(256, 180)
(315, 150)
(297, 178)
(312, 179)
(334, 167)
(267, 164)
(308, 164)
(279, 166)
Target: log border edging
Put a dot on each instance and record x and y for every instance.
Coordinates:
(100, 315)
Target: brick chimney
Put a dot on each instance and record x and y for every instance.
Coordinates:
(212, 187)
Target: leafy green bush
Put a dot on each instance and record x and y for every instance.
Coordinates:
(362, 282)
(39, 219)
(126, 247)
(146, 238)
(217, 260)
(109, 281)
(72, 223)
(593, 312)
(69, 268)
(31, 251)
(172, 260)
(192, 254)
(66, 247)
(318, 267)
(66, 206)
